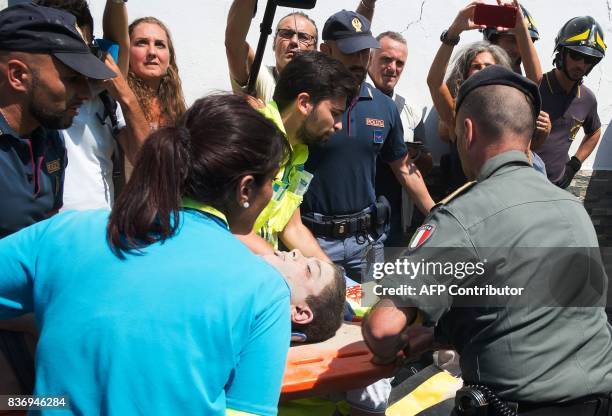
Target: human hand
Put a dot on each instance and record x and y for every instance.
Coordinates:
(543, 124)
(464, 20)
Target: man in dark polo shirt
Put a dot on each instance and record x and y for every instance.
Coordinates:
(571, 105)
(45, 66)
(340, 205)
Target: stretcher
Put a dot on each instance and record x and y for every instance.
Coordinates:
(338, 364)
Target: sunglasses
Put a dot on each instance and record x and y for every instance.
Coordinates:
(577, 56)
(303, 37)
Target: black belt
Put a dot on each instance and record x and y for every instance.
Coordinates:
(340, 226)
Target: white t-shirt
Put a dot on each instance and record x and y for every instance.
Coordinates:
(90, 146)
(264, 85)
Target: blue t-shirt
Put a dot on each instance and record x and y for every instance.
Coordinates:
(344, 167)
(195, 325)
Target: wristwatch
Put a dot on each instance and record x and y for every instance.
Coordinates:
(448, 41)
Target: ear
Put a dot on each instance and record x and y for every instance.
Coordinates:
(301, 314)
(245, 190)
(326, 49)
(19, 76)
(303, 103)
(469, 132)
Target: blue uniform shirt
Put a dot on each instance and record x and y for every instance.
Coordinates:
(194, 326)
(344, 167)
(32, 179)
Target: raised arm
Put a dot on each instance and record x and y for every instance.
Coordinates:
(239, 54)
(529, 55)
(115, 25)
(366, 9)
(440, 94)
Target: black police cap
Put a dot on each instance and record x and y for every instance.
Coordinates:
(32, 28)
(350, 30)
(499, 75)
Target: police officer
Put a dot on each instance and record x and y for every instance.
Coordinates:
(45, 65)
(579, 46)
(516, 351)
(340, 206)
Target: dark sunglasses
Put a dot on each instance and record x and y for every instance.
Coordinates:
(577, 56)
(303, 37)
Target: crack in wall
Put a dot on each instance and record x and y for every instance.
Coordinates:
(414, 22)
(609, 9)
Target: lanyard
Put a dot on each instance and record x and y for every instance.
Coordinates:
(214, 212)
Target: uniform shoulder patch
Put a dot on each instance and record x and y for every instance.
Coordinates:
(421, 235)
(458, 192)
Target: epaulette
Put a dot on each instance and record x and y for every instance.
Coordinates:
(455, 194)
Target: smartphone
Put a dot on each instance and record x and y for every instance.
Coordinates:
(109, 47)
(495, 16)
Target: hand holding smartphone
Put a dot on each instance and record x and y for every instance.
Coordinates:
(495, 16)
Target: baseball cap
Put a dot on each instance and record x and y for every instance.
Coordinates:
(499, 75)
(32, 28)
(350, 30)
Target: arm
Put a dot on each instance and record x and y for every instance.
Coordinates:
(529, 55)
(366, 9)
(134, 134)
(296, 235)
(255, 243)
(443, 101)
(240, 55)
(115, 24)
(587, 146)
(411, 179)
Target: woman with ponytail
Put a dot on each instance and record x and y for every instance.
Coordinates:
(158, 308)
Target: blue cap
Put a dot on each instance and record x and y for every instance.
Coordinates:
(31, 28)
(351, 31)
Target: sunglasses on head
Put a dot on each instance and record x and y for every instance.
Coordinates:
(303, 37)
(577, 56)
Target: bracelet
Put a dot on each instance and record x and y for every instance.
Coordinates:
(448, 41)
(366, 6)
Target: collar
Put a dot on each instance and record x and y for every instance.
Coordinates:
(299, 151)
(365, 91)
(5, 128)
(213, 212)
(369, 81)
(495, 163)
(555, 88)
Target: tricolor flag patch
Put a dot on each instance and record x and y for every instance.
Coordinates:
(421, 235)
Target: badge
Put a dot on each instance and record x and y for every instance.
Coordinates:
(379, 136)
(356, 24)
(53, 166)
(374, 122)
(421, 235)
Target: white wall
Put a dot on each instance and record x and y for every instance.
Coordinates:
(198, 29)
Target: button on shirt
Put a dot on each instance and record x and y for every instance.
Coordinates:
(344, 167)
(568, 113)
(32, 177)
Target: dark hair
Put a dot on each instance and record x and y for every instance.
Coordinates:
(218, 141)
(327, 309)
(317, 74)
(396, 36)
(497, 109)
(78, 8)
(304, 15)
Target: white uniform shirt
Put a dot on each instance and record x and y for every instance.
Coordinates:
(90, 145)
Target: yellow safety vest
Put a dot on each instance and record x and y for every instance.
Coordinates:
(275, 216)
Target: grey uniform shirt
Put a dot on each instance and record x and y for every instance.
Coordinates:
(529, 234)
